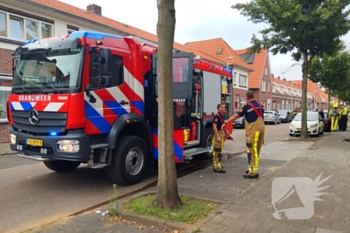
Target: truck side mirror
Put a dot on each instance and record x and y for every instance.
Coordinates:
(105, 62)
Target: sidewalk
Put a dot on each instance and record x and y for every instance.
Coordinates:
(5, 149)
(247, 204)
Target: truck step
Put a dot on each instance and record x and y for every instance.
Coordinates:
(100, 145)
(97, 165)
(195, 151)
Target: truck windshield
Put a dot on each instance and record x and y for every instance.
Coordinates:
(48, 71)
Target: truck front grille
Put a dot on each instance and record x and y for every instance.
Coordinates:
(48, 122)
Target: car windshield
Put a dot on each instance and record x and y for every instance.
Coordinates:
(282, 112)
(48, 70)
(268, 113)
(310, 117)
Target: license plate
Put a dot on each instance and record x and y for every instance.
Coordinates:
(234, 123)
(34, 142)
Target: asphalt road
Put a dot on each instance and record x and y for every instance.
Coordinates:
(272, 133)
(32, 195)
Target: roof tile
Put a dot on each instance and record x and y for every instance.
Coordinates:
(219, 49)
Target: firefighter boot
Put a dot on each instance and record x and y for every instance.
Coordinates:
(217, 163)
(249, 156)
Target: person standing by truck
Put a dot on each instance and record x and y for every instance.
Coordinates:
(218, 138)
(255, 132)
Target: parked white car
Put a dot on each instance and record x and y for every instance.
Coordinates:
(315, 124)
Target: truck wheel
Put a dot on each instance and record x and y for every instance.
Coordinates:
(61, 165)
(129, 162)
(208, 138)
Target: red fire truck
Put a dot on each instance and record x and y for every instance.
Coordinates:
(91, 97)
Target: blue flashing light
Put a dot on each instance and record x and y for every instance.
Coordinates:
(93, 35)
(228, 70)
(53, 133)
(30, 41)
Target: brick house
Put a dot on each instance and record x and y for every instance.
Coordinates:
(319, 96)
(260, 78)
(287, 95)
(219, 49)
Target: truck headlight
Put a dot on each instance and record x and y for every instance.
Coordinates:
(68, 145)
(13, 138)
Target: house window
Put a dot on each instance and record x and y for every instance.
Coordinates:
(16, 28)
(22, 28)
(31, 30)
(263, 85)
(5, 90)
(268, 87)
(266, 70)
(70, 31)
(3, 25)
(46, 30)
(235, 79)
(243, 81)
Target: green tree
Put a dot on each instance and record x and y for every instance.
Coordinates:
(304, 28)
(333, 73)
(167, 194)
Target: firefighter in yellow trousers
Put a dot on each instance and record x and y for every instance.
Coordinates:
(218, 138)
(334, 114)
(255, 132)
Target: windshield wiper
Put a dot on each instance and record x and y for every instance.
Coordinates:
(47, 84)
(25, 90)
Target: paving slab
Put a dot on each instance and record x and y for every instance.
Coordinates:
(251, 206)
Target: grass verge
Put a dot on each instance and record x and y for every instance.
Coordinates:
(191, 211)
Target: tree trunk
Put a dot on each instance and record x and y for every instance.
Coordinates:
(167, 194)
(304, 131)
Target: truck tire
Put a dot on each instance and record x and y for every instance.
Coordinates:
(130, 161)
(61, 165)
(208, 137)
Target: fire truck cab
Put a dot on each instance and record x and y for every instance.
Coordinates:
(91, 97)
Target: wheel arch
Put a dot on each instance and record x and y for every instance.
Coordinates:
(129, 124)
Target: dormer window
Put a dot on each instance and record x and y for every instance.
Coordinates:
(219, 51)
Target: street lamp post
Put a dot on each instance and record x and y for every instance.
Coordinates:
(233, 101)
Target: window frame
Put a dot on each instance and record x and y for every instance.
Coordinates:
(242, 77)
(263, 85)
(5, 88)
(23, 20)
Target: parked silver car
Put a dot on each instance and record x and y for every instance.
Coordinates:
(272, 117)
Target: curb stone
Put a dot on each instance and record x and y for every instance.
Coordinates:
(8, 153)
(160, 223)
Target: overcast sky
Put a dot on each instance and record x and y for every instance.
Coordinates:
(196, 20)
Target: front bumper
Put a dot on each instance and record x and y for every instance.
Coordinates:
(270, 120)
(50, 148)
(296, 131)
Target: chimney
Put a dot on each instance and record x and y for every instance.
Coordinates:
(284, 80)
(272, 76)
(278, 77)
(97, 10)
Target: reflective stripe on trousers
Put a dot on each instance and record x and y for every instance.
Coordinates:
(255, 132)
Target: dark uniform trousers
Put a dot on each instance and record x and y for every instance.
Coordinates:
(255, 132)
